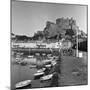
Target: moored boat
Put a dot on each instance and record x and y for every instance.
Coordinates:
(47, 77)
(48, 65)
(47, 62)
(53, 63)
(38, 75)
(23, 84)
(41, 70)
(32, 66)
(30, 56)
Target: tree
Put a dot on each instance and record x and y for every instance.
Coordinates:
(69, 32)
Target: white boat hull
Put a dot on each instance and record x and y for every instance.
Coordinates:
(23, 84)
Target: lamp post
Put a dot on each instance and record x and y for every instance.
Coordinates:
(77, 44)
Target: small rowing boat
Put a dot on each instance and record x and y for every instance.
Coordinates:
(38, 75)
(30, 56)
(48, 65)
(53, 63)
(41, 70)
(32, 66)
(47, 77)
(23, 84)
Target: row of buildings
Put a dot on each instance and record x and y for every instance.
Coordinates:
(40, 44)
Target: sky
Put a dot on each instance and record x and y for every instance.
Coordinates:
(29, 17)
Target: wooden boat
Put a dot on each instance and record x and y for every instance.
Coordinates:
(53, 63)
(32, 66)
(53, 57)
(30, 56)
(38, 75)
(23, 84)
(41, 70)
(48, 65)
(47, 77)
(47, 61)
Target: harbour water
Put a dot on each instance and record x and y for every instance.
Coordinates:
(20, 73)
(24, 72)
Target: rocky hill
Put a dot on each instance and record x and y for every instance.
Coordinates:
(62, 28)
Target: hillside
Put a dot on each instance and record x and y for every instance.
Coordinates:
(62, 28)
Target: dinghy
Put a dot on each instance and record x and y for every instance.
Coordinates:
(41, 70)
(32, 66)
(53, 63)
(38, 75)
(23, 84)
(48, 65)
(47, 62)
(30, 56)
(47, 77)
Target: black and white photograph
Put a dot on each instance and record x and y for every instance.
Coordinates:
(48, 45)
